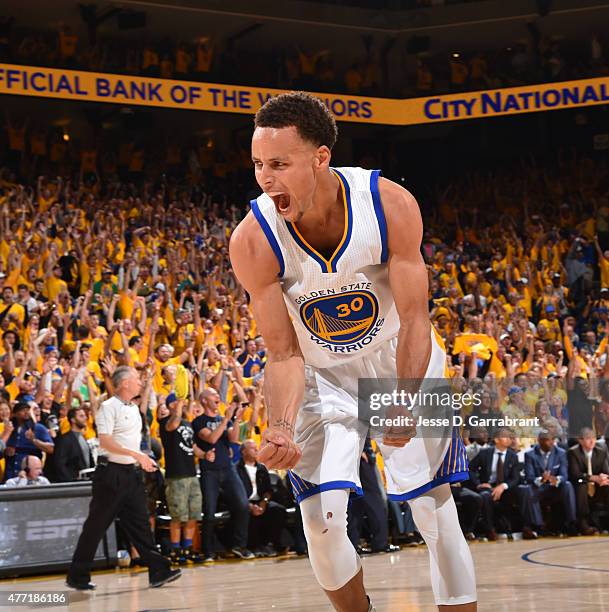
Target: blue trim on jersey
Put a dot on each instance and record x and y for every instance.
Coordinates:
(455, 459)
(380, 214)
(328, 266)
(268, 232)
(348, 220)
(454, 468)
(303, 488)
(306, 249)
(436, 482)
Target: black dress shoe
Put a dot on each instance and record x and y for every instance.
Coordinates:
(413, 539)
(528, 534)
(80, 586)
(390, 548)
(138, 562)
(169, 577)
(363, 550)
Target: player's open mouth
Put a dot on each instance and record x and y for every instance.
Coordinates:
(282, 202)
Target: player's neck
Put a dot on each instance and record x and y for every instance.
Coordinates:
(327, 199)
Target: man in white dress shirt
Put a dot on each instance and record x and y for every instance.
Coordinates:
(31, 474)
(118, 486)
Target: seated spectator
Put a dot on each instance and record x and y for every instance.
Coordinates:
(371, 505)
(182, 488)
(404, 524)
(30, 474)
(27, 438)
(267, 517)
(72, 453)
(589, 473)
(495, 475)
(216, 432)
(469, 506)
(478, 440)
(547, 475)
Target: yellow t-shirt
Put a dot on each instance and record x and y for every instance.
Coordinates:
(604, 266)
(157, 381)
(54, 286)
(553, 328)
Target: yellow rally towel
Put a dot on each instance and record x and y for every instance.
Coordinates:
(483, 345)
(181, 382)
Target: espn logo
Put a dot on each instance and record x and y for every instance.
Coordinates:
(53, 529)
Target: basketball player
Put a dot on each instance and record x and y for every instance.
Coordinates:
(331, 260)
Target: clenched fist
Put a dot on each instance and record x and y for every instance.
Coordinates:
(278, 450)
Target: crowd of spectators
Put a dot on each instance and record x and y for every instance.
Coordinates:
(372, 70)
(119, 273)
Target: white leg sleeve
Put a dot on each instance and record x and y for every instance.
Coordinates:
(452, 568)
(332, 556)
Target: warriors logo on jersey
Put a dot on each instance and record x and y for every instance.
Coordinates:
(340, 319)
(342, 323)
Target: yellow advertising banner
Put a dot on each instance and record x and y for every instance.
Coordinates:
(193, 95)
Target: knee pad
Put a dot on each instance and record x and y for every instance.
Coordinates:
(333, 558)
(452, 568)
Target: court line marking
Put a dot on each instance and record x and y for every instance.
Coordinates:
(527, 557)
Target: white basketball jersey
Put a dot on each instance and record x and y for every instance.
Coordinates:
(341, 307)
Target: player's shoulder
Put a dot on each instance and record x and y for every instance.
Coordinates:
(250, 251)
(402, 214)
(396, 199)
(248, 230)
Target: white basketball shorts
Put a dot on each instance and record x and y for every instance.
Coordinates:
(332, 437)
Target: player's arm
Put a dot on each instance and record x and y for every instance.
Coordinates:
(409, 285)
(256, 267)
(407, 278)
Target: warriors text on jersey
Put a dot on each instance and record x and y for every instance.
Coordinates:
(341, 307)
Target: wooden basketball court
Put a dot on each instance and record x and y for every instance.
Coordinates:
(543, 575)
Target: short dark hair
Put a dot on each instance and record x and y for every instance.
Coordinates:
(72, 413)
(308, 114)
(503, 432)
(19, 406)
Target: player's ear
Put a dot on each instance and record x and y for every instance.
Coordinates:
(322, 157)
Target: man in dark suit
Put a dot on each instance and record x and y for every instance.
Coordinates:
(494, 473)
(267, 518)
(547, 476)
(589, 473)
(72, 453)
(372, 505)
